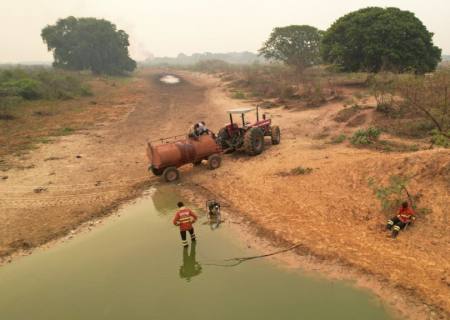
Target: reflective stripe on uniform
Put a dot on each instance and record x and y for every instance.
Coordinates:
(396, 228)
(390, 222)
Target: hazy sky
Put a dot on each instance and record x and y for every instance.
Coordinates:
(167, 27)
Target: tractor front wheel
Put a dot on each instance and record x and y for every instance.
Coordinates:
(214, 161)
(275, 135)
(222, 138)
(171, 174)
(254, 141)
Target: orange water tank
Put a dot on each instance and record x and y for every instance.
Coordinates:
(178, 153)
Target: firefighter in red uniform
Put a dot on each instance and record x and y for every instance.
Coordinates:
(184, 218)
(404, 217)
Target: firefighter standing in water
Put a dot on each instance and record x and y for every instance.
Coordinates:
(184, 218)
(404, 217)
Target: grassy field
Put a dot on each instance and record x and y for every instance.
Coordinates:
(38, 104)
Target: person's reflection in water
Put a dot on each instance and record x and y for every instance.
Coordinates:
(190, 267)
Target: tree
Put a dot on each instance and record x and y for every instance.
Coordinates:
(294, 45)
(429, 96)
(88, 44)
(374, 39)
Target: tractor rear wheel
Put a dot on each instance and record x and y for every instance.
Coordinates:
(171, 174)
(214, 161)
(254, 141)
(275, 135)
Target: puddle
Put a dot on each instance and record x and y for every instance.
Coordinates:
(133, 267)
(170, 79)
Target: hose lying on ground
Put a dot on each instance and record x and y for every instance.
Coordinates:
(238, 260)
(242, 259)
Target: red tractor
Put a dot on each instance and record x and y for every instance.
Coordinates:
(249, 137)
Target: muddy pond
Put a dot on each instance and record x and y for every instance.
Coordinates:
(133, 267)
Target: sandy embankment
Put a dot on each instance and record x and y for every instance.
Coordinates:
(331, 211)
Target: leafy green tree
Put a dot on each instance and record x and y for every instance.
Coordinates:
(374, 39)
(88, 44)
(297, 46)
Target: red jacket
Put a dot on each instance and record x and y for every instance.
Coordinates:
(184, 218)
(405, 215)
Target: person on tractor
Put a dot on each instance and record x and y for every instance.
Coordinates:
(197, 130)
(184, 218)
(404, 217)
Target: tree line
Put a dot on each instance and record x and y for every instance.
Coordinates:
(369, 40)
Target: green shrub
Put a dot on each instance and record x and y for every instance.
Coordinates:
(439, 139)
(392, 195)
(41, 83)
(29, 89)
(238, 95)
(365, 136)
(301, 171)
(339, 139)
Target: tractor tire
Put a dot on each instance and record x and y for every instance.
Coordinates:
(156, 172)
(222, 138)
(171, 174)
(254, 141)
(275, 135)
(214, 161)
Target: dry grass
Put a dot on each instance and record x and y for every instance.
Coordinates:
(34, 122)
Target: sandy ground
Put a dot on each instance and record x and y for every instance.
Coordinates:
(331, 211)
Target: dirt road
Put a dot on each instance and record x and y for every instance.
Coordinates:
(331, 211)
(86, 174)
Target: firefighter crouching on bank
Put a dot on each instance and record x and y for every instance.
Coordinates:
(184, 218)
(404, 217)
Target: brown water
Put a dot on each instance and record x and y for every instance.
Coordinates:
(133, 267)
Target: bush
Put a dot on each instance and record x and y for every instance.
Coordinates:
(439, 139)
(392, 195)
(28, 89)
(40, 83)
(338, 139)
(365, 136)
(345, 114)
(301, 171)
(238, 95)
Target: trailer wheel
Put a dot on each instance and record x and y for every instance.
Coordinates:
(214, 161)
(156, 172)
(171, 174)
(254, 141)
(275, 135)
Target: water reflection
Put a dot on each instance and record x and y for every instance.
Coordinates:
(170, 79)
(190, 267)
(164, 201)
